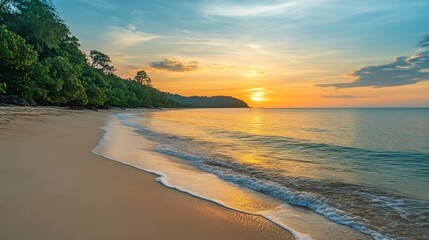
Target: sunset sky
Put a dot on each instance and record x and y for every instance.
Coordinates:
(297, 53)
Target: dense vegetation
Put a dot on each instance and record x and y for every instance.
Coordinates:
(40, 60)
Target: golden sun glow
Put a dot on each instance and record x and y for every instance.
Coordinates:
(258, 96)
(251, 74)
(250, 158)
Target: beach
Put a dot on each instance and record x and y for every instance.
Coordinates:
(53, 187)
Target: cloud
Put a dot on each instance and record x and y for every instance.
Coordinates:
(253, 89)
(401, 71)
(344, 96)
(322, 10)
(425, 42)
(175, 65)
(248, 72)
(128, 36)
(100, 4)
(236, 10)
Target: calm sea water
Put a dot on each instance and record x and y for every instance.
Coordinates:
(367, 169)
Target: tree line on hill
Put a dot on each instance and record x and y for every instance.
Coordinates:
(207, 102)
(40, 60)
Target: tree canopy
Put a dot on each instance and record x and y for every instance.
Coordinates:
(40, 60)
(16, 53)
(37, 22)
(101, 61)
(16, 59)
(142, 78)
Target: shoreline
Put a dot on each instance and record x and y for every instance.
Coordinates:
(160, 179)
(124, 143)
(53, 186)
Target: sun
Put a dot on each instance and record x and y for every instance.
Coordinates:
(258, 96)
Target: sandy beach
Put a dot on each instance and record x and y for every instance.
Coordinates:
(53, 187)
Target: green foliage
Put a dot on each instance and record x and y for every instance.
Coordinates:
(35, 84)
(3, 87)
(129, 93)
(142, 78)
(16, 58)
(4, 9)
(69, 48)
(96, 87)
(101, 61)
(15, 53)
(40, 60)
(65, 87)
(37, 22)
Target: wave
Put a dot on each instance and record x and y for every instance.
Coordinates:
(333, 152)
(378, 214)
(164, 180)
(359, 207)
(367, 158)
(341, 203)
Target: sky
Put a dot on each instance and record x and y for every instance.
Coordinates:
(271, 53)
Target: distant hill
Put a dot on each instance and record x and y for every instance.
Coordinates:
(207, 102)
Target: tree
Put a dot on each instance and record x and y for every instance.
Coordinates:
(96, 87)
(36, 83)
(3, 3)
(4, 9)
(66, 88)
(37, 22)
(101, 61)
(142, 78)
(40, 60)
(15, 52)
(2, 87)
(69, 48)
(16, 57)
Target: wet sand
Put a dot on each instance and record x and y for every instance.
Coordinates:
(53, 187)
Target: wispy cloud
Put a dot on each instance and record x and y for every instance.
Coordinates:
(175, 65)
(425, 42)
(128, 36)
(312, 9)
(233, 67)
(253, 89)
(344, 96)
(100, 3)
(240, 10)
(401, 71)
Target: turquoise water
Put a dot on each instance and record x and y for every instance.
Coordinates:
(367, 169)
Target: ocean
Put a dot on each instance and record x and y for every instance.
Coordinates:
(319, 173)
